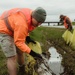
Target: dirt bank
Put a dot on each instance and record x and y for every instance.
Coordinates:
(53, 37)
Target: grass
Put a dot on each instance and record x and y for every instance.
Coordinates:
(42, 34)
(73, 23)
(3, 69)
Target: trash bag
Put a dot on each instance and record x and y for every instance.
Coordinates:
(73, 39)
(30, 62)
(38, 67)
(35, 47)
(67, 36)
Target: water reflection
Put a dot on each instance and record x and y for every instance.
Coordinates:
(55, 61)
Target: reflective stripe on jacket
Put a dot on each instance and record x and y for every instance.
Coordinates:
(21, 25)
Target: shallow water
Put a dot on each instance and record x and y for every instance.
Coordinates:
(55, 61)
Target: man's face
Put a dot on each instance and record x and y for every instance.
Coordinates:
(35, 23)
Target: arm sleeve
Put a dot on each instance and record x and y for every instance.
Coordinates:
(20, 33)
(68, 22)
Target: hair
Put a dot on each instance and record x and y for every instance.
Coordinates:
(61, 15)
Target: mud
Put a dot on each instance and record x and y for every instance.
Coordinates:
(67, 53)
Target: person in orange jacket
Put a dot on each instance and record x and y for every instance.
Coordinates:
(66, 21)
(15, 25)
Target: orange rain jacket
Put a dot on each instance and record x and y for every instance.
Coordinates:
(20, 21)
(65, 23)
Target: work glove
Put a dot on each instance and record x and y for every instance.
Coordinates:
(35, 55)
(28, 40)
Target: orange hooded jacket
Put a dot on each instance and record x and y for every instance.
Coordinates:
(20, 21)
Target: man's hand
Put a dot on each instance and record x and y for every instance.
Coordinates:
(28, 39)
(35, 55)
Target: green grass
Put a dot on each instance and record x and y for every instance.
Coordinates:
(3, 69)
(73, 23)
(43, 33)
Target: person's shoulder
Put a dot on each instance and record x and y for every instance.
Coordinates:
(26, 8)
(66, 17)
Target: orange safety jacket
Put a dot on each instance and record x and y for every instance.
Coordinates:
(65, 24)
(20, 22)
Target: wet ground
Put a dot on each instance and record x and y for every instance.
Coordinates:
(68, 55)
(53, 38)
(55, 61)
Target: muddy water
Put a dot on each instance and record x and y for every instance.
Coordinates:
(55, 61)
